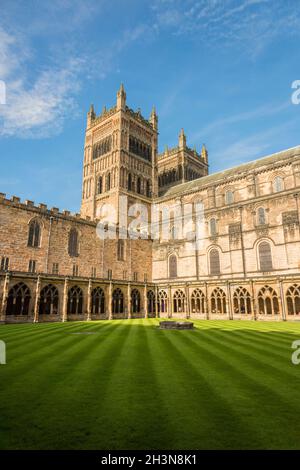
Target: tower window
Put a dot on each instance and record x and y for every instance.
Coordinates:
(99, 185)
(108, 182)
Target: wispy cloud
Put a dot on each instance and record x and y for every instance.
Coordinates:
(250, 24)
(252, 147)
(35, 107)
(44, 67)
(253, 114)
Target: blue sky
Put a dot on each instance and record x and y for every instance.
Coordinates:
(221, 69)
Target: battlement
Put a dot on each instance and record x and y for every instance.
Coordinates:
(42, 209)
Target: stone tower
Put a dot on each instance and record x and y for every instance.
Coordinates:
(180, 164)
(120, 157)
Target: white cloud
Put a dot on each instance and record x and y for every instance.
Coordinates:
(250, 24)
(35, 108)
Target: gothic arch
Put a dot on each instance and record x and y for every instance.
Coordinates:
(268, 303)
(18, 300)
(49, 300)
(98, 301)
(242, 301)
(75, 300)
(198, 301)
(179, 301)
(117, 301)
(218, 301)
(162, 302)
(135, 301)
(293, 300)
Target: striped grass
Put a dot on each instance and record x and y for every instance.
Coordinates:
(224, 385)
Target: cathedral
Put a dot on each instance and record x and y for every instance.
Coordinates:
(59, 266)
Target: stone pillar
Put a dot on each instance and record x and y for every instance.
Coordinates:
(187, 297)
(253, 302)
(129, 300)
(4, 298)
(146, 301)
(206, 302)
(89, 301)
(156, 302)
(281, 300)
(110, 312)
(65, 301)
(229, 302)
(37, 300)
(170, 302)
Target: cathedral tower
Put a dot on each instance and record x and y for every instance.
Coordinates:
(120, 157)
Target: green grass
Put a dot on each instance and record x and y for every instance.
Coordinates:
(225, 385)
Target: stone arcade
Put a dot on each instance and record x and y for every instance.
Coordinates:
(55, 268)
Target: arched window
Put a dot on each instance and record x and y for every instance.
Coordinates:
(98, 301)
(293, 300)
(242, 301)
(135, 301)
(73, 242)
(179, 301)
(49, 300)
(138, 185)
(34, 234)
(151, 303)
(18, 300)
(99, 185)
(265, 256)
(129, 182)
(117, 301)
(261, 216)
(162, 303)
(198, 301)
(278, 184)
(173, 266)
(229, 197)
(75, 300)
(214, 262)
(213, 227)
(121, 250)
(108, 181)
(218, 301)
(148, 192)
(268, 301)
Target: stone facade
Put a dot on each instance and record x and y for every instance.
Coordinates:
(54, 265)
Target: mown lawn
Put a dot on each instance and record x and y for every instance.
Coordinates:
(227, 384)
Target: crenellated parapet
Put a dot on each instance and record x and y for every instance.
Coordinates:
(43, 210)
